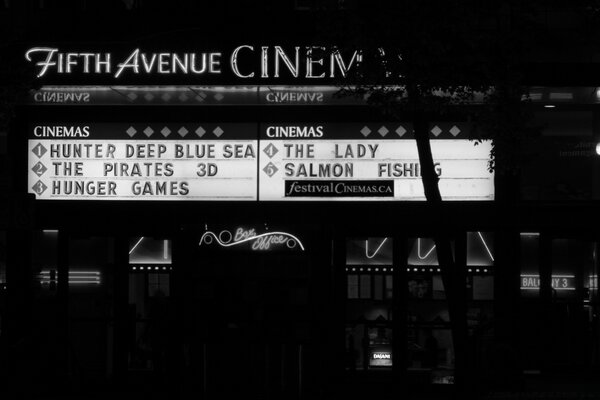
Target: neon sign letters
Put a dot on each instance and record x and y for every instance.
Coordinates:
(312, 62)
(258, 242)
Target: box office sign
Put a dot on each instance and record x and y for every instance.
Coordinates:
(241, 238)
(244, 162)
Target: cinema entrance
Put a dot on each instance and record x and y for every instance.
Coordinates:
(245, 300)
(397, 322)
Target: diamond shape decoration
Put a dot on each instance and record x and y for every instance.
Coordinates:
(132, 96)
(455, 130)
(201, 96)
(383, 131)
(436, 131)
(200, 131)
(219, 96)
(148, 131)
(182, 131)
(166, 97)
(165, 131)
(218, 131)
(149, 96)
(365, 131)
(39, 169)
(131, 131)
(39, 150)
(270, 169)
(39, 187)
(270, 150)
(183, 97)
(401, 131)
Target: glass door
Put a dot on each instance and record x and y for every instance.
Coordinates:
(150, 308)
(369, 310)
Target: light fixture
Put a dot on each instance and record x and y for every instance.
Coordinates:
(598, 148)
(549, 106)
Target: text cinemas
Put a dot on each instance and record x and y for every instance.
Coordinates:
(61, 131)
(295, 131)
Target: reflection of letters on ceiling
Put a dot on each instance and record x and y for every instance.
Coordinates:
(565, 123)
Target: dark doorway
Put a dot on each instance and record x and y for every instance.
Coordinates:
(247, 321)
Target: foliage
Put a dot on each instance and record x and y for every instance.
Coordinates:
(456, 59)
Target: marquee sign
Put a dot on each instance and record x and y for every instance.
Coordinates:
(142, 162)
(352, 162)
(233, 161)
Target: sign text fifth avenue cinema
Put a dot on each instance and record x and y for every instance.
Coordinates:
(228, 161)
(245, 61)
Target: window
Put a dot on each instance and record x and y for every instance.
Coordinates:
(158, 285)
(374, 285)
(369, 284)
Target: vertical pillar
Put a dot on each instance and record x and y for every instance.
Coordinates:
(507, 302)
(468, 348)
(62, 301)
(121, 310)
(338, 306)
(319, 249)
(17, 324)
(507, 284)
(399, 313)
(180, 340)
(546, 302)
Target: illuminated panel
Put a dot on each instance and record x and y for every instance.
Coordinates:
(559, 282)
(190, 161)
(146, 250)
(75, 277)
(358, 162)
(180, 95)
(381, 357)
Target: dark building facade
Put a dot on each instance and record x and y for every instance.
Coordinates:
(201, 214)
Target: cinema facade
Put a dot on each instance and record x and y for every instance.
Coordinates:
(260, 234)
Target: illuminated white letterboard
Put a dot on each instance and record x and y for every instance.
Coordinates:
(171, 161)
(372, 162)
